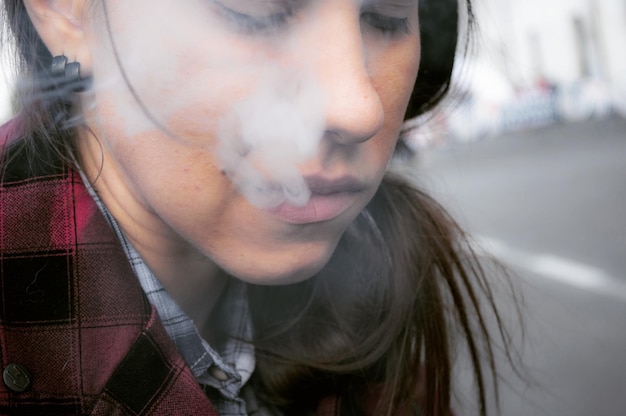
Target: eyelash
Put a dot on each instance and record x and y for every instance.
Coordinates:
(393, 26)
(257, 24)
(387, 25)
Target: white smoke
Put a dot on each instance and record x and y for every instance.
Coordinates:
(268, 134)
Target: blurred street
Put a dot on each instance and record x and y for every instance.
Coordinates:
(551, 203)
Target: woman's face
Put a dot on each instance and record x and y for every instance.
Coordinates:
(249, 131)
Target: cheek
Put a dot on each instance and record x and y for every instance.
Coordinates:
(187, 108)
(171, 167)
(393, 68)
(395, 80)
(393, 76)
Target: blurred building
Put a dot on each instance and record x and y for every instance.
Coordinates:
(561, 41)
(536, 62)
(7, 83)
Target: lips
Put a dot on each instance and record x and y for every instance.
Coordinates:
(329, 199)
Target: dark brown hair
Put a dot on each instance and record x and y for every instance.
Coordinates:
(386, 310)
(403, 285)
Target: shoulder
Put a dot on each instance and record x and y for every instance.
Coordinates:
(11, 130)
(40, 198)
(27, 154)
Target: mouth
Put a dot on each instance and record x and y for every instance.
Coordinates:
(330, 197)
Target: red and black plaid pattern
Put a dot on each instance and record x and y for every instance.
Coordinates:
(73, 313)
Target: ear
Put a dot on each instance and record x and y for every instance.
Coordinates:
(59, 23)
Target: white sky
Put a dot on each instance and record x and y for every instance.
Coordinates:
(6, 85)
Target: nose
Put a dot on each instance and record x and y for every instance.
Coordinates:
(354, 111)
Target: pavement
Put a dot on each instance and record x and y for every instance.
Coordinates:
(551, 204)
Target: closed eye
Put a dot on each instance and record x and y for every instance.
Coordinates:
(256, 23)
(386, 24)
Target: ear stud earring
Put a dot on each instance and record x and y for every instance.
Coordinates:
(67, 75)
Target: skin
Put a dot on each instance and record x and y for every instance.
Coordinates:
(163, 183)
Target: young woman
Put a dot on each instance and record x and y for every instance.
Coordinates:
(196, 217)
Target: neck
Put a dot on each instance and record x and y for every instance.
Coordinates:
(193, 280)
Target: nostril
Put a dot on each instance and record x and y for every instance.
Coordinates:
(354, 120)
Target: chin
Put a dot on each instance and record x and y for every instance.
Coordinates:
(277, 277)
(274, 272)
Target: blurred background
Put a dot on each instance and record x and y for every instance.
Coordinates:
(530, 155)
